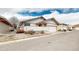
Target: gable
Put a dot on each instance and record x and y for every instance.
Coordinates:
(4, 27)
(3, 20)
(51, 22)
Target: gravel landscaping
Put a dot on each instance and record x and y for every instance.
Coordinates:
(10, 37)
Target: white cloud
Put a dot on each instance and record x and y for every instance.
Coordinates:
(21, 18)
(53, 14)
(71, 18)
(9, 10)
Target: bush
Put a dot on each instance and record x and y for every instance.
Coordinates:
(19, 31)
(59, 30)
(29, 32)
(42, 32)
(64, 30)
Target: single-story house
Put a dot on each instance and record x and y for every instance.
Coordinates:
(39, 24)
(76, 27)
(5, 25)
(64, 27)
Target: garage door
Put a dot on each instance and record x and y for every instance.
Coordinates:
(46, 29)
(52, 29)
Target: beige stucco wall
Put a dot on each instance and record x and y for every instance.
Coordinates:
(76, 28)
(4, 28)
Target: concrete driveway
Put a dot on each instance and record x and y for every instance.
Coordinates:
(67, 41)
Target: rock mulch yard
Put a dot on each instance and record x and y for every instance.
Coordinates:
(11, 37)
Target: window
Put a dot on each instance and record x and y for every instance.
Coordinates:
(27, 24)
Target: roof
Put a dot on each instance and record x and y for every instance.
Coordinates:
(41, 17)
(53, 19)
(5, 21)
(21, 22)
(64, 24)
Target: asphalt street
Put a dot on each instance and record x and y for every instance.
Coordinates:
(67, 41)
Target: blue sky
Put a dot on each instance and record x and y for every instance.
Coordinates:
(26, 12)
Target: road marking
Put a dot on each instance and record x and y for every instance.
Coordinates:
(15, 41)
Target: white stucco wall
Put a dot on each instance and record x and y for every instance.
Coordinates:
(46, 29)
(51, 26)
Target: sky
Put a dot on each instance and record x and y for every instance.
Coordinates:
(63, 15)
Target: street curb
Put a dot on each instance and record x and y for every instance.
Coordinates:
(15, 41)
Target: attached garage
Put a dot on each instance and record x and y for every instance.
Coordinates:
(5, 26)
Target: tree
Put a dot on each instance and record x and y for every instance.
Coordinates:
(14, 21)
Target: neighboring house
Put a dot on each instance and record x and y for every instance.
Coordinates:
(5, 26)
(76, 27)
(39, 24)
(64, 27)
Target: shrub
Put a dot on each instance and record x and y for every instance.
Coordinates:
(42, 32)
(29, 32)
(59, 30)
(19, 31)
